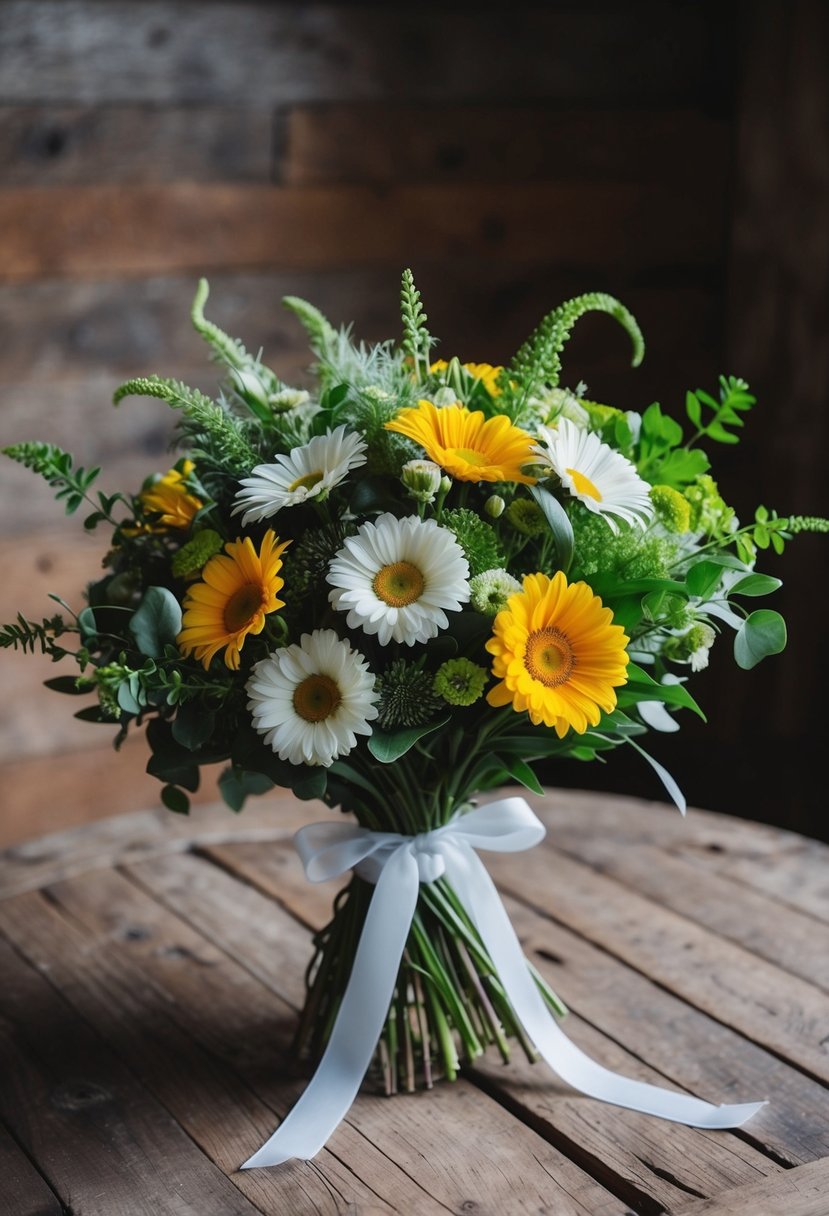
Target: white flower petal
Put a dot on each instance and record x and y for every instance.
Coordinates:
(329, 458)
(273, 683)
(432, 550)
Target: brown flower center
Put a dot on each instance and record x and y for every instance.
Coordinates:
(398, 584)
(243, 606)
(549, 657)
(316, 698)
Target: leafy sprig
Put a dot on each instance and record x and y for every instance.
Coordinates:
(735, 399)
(27, 635)
(538, 361)
(417, 341)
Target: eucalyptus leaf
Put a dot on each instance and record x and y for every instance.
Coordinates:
(388, 746)
(193, 726)
(756, 584)
(702, 578)
(235, 785)
(761, 634)
(311, 784)
(175, 800)
(559, 522)
(156, 621)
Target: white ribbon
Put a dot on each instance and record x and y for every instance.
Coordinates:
(397, 865)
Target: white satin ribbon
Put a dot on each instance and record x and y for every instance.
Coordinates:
(397, 865)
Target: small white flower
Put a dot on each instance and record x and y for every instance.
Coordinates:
(288, 399)
(604, 480)
(306, 472)
(491, 589)
(397, 578)
(312, 700)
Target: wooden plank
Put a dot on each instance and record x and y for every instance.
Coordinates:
(125, 838)
(43, 145)
(394, 143)
(86, 1119)
(772, 1008)
(800, 1192)
(782, 865)
(683, 1045)
(791, 940)
(225, 910)
(108, 232)
(172, 974)
(211, 1044)
(60, 50)
(23, 1191)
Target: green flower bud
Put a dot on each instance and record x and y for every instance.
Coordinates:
(460, 681)
(422, 479)
(494, 506)
(490, 590)
(672, 508)
(526, 517)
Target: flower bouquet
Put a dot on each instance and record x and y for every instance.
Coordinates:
(407, 585)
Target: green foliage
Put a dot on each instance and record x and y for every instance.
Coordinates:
(761, 634)
(388, 746)
(72, 484)
(253, 382)
(416, 339)
(559, 524)
(28, 635)
(214, 431)
(538, 361)
(735, 399)
(661, 460)
(321, 333)
(478, 540)
(156, 622)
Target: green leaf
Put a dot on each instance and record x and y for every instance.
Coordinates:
(388, 746)
(156, 621)
(761, 634)
(235, 785)
(520, 771)
(193, 726)
(693, 408)
(94, 713)
(87, 623)
(559, 522)
(756, 584)
(702, 578)
(310, 784)
(127, 699)
(175, 800)
(174, 772)
(67, 684)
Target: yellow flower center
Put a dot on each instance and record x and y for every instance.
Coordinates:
(243, 606)
(316, 698)
(470, 456)
(306, 482)
(584, 485)
(398, 584)
(549, 657)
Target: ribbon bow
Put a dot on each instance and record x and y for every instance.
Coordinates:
(397, 865)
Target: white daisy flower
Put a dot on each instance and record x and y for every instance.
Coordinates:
(304, 473)
(396, 577)
(605, 481)
(312, 700)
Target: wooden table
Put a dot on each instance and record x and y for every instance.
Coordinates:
(152, 967)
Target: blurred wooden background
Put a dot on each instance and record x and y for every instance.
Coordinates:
(675, 154)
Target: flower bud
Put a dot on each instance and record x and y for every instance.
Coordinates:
(494, 506)
(422, 478)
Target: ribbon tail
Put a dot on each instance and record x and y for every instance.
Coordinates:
(365, 1004)
(476, 890)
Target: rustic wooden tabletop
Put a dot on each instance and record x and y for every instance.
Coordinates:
(151, 968)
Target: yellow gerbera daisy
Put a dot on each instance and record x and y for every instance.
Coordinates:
(238, 589)
(467, 445)
(170, 499)
(485, 372)
(557, 654)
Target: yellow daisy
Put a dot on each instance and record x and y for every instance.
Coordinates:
(467, 445)
(557, 654)
(485, 372)
(238, 589)
(170, 499)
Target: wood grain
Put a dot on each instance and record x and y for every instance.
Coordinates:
(394, 143)
(686, 1046)
(42, 145)
(23, 1191)
(801, 1192)
(264, 54)
(111, 231)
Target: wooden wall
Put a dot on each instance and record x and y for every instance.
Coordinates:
(511, 157)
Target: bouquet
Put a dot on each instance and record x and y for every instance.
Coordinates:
(409, 584)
